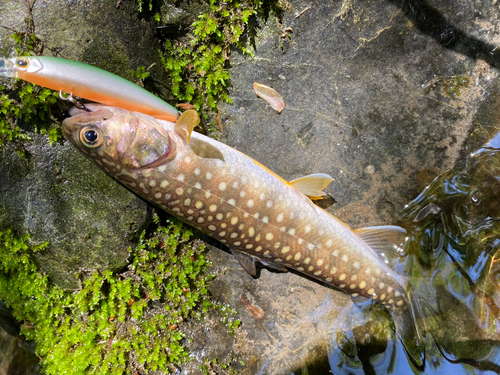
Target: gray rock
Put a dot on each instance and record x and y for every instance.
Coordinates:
(365, 92)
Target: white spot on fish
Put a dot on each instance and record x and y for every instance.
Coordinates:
(250, 203)
(179, 191)
(187, 159)
(242, 193)
(200, 220)
(342, 277)
(297, 256)
(335, 253)
(164, 184)
(333, 270)
(219, 216)
(277, 245)
(152, 183)
(320, 262)
(197, 171)
(232, 202)
(251, 231)
(317, 273)
(269, 236)
(222, 186)
(158, 195)
(329, 243)
(381, 286)
(198, 204)
(208, 175)
(265, 219)
(269, 204)
(234, 235)
(356, 264)
(279, 218)
(258, 248)
(310, 246)
(212, 227)
(345, 258)
(285, 250)
(222, 234)
(249, 246)
(262, 197)
(235, 184)
(354, 277)
(371, 291)
(180, 177)
(197, 185)
(234, 220)
(362, 285)
(212, 208)
(300, 241)
(307, 228)
(292, 231)
(187, 202)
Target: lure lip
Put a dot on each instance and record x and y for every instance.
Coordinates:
(7, 68)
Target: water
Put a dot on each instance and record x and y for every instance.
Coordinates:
(452, 259)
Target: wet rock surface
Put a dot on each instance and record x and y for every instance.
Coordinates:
(371, 99)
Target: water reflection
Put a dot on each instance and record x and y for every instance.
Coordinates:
(452, 258)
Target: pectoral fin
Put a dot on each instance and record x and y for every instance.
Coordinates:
(186, 123)
(312, 185)
(205, 150)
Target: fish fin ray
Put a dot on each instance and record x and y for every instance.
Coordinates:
(312, 185)
(247, 262)
(407, 329)
(205, 150)
(186, 123)
(326, 201)
(384, 240)
(277, 267)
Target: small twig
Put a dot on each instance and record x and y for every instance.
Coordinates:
(301, 13)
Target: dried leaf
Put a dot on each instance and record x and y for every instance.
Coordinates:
(270, 96)
(185, 106)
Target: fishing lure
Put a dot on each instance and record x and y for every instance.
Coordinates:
(88, 82)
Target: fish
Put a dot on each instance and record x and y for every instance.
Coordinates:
(88, 82)
(260, 216)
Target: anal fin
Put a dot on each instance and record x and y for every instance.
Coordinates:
(384, 240)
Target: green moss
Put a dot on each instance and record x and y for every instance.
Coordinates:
(198, 65)
(114, 323)
(451, 85)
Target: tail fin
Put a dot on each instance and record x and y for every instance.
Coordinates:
(406, 321)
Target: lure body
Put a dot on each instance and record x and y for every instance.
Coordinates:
(88, 82)
(236, 200)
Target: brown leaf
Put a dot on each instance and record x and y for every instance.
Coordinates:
(270, 96)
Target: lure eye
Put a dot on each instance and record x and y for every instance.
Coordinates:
(22, 63)
(90, 137)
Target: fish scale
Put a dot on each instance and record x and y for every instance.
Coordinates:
(243, 205)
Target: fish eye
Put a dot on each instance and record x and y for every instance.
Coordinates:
(22, 63)
(90, 137)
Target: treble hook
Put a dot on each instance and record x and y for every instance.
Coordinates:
(74, 101)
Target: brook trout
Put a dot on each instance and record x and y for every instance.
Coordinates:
(236, 200)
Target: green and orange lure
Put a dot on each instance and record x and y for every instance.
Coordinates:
(88, 82)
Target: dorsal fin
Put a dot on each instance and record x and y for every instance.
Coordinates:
(312, 184)
(384, 240)
(247, 262)
(186, 123)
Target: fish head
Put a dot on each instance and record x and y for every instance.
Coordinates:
(118, 139)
